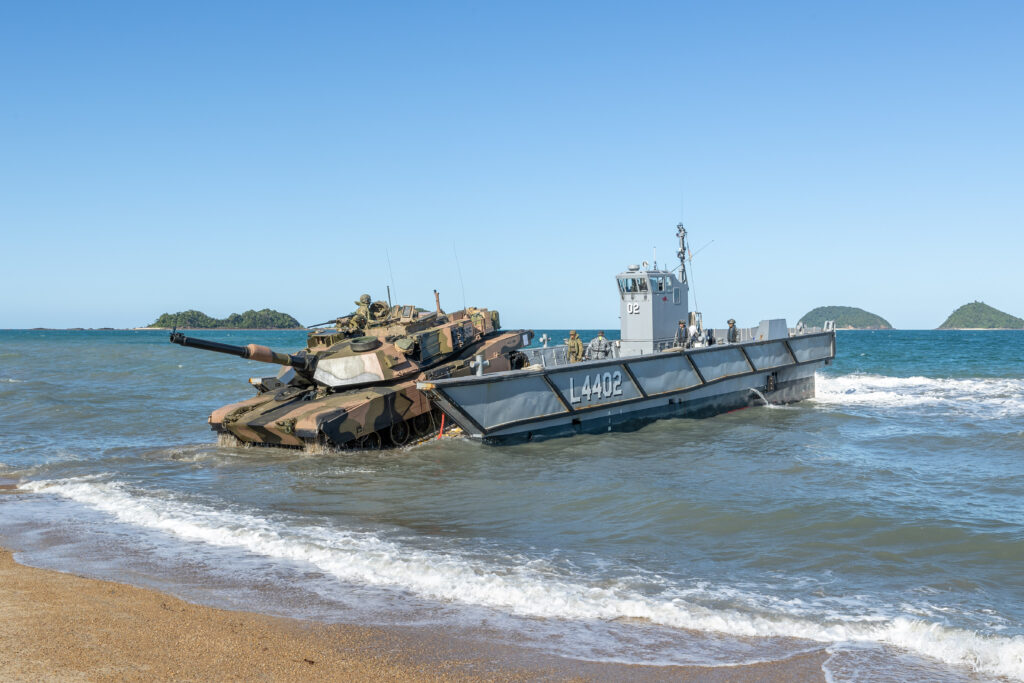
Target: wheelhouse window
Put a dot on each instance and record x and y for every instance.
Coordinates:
(660, 283)
(630, 285)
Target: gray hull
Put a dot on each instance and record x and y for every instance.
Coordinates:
(623, 394)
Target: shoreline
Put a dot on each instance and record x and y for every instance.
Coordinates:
(62, 626)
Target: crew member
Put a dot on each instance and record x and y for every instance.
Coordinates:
(357, 322)
(575, 347)
(733, 335)
(364, 306)
(599, 347)
(680, 339)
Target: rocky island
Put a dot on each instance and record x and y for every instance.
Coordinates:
(846, 318)
(981, 316)
(265, 319)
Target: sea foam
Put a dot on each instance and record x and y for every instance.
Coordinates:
(983, 398)
(529, 588)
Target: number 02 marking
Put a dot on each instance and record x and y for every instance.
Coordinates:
(632, 308)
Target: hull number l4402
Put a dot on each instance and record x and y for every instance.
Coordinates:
(600, 386)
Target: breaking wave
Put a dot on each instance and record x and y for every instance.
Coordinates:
(531, 587)
(985, 398)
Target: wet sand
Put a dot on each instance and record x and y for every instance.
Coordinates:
(60, 627)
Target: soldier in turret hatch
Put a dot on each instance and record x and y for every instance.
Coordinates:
(599, 347)
(364, 306)
(681, 335)
(357, 322)
(733, 335)
(575, 347)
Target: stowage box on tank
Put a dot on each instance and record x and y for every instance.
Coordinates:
(354, 385)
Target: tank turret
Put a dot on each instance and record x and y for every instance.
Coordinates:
(354, 385)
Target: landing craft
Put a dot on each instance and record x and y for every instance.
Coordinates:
(354, 385)
(655, 371)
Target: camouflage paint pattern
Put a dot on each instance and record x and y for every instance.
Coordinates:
(361, 386)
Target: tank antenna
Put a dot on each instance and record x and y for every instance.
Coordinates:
(459, 269)
(392, 274)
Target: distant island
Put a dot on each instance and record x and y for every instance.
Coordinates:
(846, 317)
(265, 319)
(980, 316)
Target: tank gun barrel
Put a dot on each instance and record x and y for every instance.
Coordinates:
(251, 352)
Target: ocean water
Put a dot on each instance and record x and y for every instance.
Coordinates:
(882, 521)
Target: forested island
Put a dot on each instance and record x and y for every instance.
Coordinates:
(846, 317)
(981, 316)
(265, 319)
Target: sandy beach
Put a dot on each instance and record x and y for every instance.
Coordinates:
(61, 627)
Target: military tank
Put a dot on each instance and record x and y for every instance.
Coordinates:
(354, 385)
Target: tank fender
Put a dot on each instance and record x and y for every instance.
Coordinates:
(216, 418)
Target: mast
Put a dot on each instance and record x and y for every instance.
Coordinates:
(681, 234)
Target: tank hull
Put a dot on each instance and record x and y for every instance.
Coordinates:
(382, 414)
(341, 419)
(623, 394)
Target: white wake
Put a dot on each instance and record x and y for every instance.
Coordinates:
(984, 398)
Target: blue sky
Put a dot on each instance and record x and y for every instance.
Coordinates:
(227, 156)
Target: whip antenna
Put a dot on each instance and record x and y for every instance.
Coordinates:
(693, 287)
(459, 269)
(392, 274)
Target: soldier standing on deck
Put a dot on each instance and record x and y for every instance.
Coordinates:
(733, 335)
(681, 335)
(575, 347)
(598, 347)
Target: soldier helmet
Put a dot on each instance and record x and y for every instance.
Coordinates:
(364, 299)
(682, 322)
(600, 333)
(572, 333)
(731, 321)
